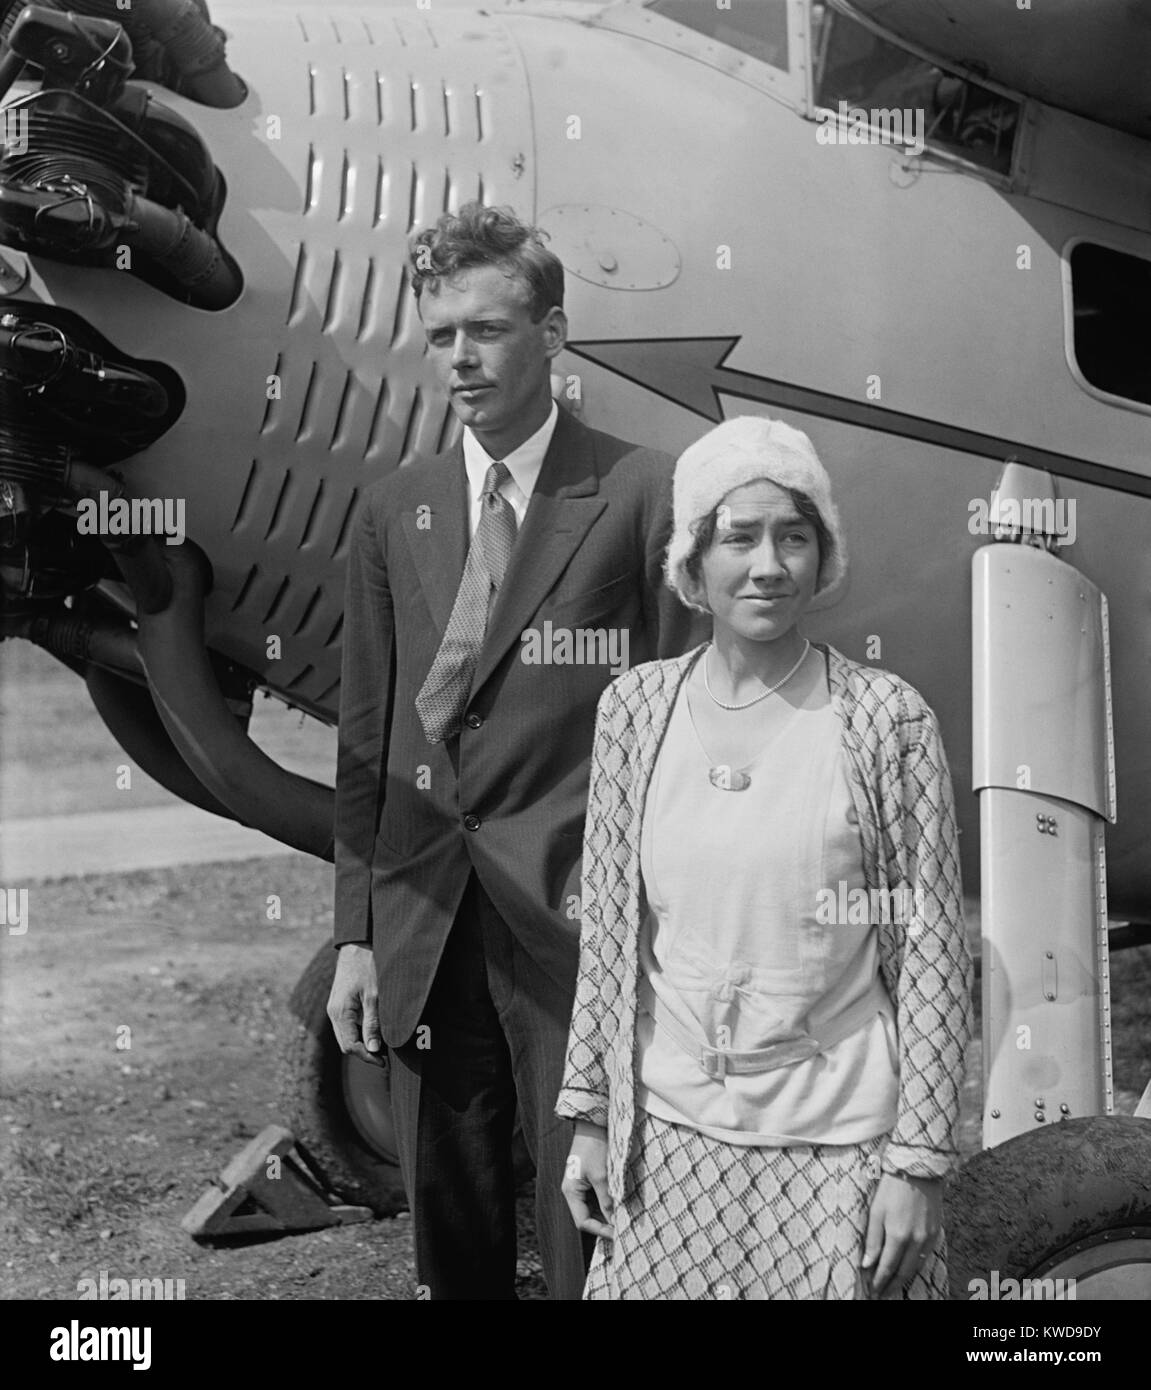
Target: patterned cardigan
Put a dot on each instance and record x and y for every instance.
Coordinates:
(901, 789)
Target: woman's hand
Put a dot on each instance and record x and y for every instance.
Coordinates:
(903, 1224)
(585, 1181)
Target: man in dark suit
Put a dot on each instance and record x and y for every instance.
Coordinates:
(493, 592)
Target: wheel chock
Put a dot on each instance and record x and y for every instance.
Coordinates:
(266, 1187)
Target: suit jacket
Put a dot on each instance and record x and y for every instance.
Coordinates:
(901, 791)
(507, 796)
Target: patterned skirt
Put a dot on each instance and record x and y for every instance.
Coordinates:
(709, 1220)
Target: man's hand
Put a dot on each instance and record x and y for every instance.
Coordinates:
(586, 1177)
(902, 1227)
(352, 1005)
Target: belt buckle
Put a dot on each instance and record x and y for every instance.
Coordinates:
(714, 1064)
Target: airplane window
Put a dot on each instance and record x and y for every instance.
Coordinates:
(756, 27)
(857, 67)
(1111, 308)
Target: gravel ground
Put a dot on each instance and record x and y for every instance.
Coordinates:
(104, 1147)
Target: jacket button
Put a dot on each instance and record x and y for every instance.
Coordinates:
(474, 720)
(471, 822)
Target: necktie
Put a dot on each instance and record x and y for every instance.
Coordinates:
(445, 692)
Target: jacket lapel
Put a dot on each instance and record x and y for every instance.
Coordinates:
(563, 506)
(439, 546)
(658, 695)
(864, 793)
(648, 714)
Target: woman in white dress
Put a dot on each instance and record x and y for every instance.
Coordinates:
(774, 998)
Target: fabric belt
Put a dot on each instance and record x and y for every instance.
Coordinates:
(718, 1062)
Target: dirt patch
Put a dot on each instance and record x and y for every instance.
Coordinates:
(141, 1022)
(108, 1136)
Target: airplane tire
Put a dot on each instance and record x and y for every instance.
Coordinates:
(338, 1107)
(1072, 1199)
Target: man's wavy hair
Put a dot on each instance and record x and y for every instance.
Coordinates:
(479, 235)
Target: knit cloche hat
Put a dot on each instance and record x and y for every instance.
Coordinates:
(744, 450)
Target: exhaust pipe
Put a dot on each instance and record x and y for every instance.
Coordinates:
(168, 584)
(290, 808)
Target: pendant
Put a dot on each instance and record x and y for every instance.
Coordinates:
(728, 779)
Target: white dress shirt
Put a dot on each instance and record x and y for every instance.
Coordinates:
(523, 464)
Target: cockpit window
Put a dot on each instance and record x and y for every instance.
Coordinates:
(1111, 308)
(756, 27)
(857, 69)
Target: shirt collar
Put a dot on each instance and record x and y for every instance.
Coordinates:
(523, 464)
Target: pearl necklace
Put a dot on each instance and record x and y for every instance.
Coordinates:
(737, 779)
(771, 689)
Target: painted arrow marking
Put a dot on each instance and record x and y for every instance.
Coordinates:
(690, 373)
